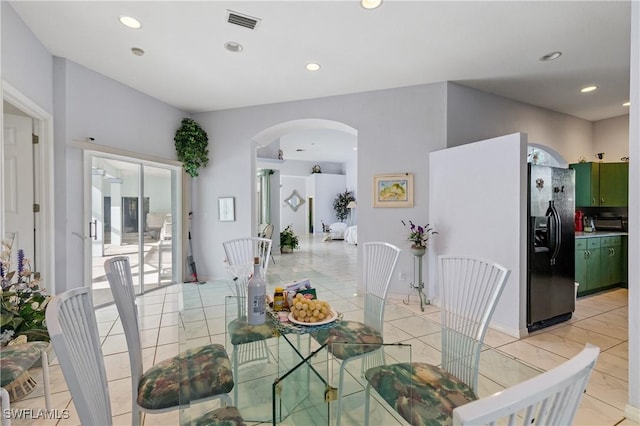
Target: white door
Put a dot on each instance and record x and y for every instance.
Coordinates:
(19, 181)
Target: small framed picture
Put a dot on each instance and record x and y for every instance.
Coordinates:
(226, 209)
(393, 190)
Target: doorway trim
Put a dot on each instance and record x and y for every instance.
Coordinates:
(44, 182)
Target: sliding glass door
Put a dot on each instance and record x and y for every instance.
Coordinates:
(134, 206)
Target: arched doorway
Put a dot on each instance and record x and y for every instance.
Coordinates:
(287, 155)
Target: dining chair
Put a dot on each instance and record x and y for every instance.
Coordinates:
(268, 234)
(72, 325)
(351, 340)
(248, 341)
(159, 389)
(71, 321)
(470, 288)
(552, 398)
(15, 360)
(240, 252)
(6, 406)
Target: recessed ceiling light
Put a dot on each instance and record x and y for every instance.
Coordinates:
(370, 4)
(233, 46)
(588, 89)
(551, 56)
(137, 51)
(355, 148)
(312, 66)
(130, 22)
(626, 104)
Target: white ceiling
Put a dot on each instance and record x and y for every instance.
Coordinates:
(493, 46)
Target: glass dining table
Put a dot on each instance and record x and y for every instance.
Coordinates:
(281, 374)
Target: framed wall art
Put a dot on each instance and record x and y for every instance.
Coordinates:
(393, 190)
(226, 209)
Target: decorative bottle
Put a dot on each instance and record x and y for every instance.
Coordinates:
(256, 292)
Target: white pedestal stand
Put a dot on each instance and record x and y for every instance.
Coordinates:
(418, 254)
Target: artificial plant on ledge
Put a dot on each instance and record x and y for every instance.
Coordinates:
(191, 146)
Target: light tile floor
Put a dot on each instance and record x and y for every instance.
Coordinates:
(600, 319)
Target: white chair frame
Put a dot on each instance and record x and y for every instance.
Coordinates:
(71, 321)
(466, 311)
(470, 288)
(118, 272)
(379, 261)
(240, 254)
(6, 407)
(552, 398)
(268, 234)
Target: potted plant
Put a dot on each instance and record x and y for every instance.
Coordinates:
(288, 240)
(340, 204)
(191, 145)
(419, 237)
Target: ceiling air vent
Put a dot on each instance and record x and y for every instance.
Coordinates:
(246, 21)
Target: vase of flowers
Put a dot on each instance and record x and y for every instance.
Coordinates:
(23, 302)
(419, 237)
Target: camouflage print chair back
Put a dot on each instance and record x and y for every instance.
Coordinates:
(73, 329)
(351, 340)
(206, 369)
(249, 341)
(424, 394)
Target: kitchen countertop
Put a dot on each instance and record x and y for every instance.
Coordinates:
(600, 234)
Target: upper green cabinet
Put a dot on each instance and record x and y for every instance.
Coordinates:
(614, 184)
(601, 184)
(587, 184)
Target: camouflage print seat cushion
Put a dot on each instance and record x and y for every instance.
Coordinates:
(421, 393)
(242, 332)
(194, 374)
(16, 359)
(365, 339)
(225, 416)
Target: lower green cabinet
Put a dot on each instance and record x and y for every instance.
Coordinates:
(610, 261)
(600, 263)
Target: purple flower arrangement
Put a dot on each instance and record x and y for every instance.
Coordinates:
(419, 235)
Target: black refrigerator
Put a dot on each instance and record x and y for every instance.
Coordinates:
(551, 247)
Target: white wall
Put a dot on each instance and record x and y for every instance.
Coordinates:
(396, 129)
(611, 136)
(479, 210)
(474, 115)
(325, 189)
(26, 63)
(632, 409)
(297, 219)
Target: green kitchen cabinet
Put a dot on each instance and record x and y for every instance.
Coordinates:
(587, 268)
(610, 261)
(601, 184)
(601, 263)
(614, 184)
(587, 184)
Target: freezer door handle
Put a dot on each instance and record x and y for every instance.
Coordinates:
(555, 226)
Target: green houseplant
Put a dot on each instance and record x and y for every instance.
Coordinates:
(191, 145)
(288, 240)
(340, 204)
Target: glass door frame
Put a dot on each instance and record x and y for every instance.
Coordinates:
(177, 211)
